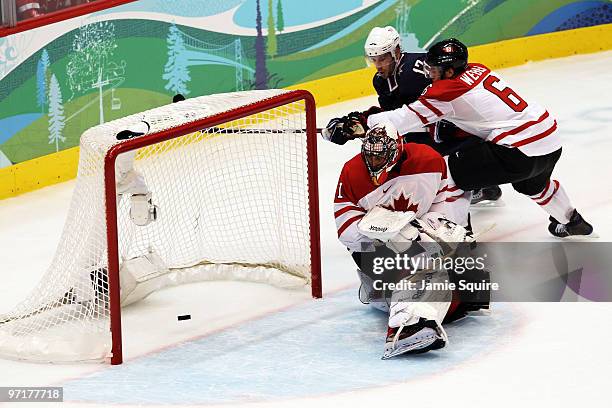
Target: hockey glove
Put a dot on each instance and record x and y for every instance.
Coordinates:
(445, 131)
(335, 131)
(357, 124)
(444, 231)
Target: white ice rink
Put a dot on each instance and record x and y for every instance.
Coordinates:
(257, 345)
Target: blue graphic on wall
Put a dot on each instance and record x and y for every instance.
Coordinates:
(295, 13)
(575, 15)
(13, 124)
(4, 161)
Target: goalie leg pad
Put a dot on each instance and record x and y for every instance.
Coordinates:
(402, 242)
(141, 276)
(416, 314)
(369, 296)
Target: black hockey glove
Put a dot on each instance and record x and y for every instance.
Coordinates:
(357, 124)
(444, 131)
(341, 130)
(335, 131)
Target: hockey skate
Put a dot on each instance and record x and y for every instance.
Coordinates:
(577, 226)
(487, 197)
(417, 338)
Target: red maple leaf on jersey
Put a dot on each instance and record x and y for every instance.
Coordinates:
(402, 203)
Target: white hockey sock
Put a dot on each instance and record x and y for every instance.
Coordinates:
(456, 205)
(554, 201)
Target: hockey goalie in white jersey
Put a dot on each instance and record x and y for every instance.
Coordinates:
(391, 196)
(521, 146)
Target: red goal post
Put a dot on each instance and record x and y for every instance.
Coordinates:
(233, 180)
(187, 128)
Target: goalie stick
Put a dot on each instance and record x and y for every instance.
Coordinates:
(99, 280)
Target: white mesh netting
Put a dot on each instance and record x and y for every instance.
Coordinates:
(233, 204)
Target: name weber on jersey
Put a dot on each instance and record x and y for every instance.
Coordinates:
(526, 125)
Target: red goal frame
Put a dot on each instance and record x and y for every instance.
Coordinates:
(234, 114)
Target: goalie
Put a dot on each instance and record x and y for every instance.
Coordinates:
(392, 198)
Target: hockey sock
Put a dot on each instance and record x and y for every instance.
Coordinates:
(554, 201)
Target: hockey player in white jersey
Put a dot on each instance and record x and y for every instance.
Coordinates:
(522, 145)
(400, 80)
(388, 197)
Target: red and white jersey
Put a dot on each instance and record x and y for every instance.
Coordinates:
(481, 103)
(416, 183)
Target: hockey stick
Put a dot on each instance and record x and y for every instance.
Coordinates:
(99, 281)
(129, 134)
(257, 130)
(68, 299)
(180, 97)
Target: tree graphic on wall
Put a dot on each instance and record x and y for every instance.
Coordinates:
(261, 72)
(41, 80)
(280, 18)
(56, 113)
(271, 31)
(89, 64)
(176, 70)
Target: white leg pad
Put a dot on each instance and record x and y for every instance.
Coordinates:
(408, 306)
(139, 277)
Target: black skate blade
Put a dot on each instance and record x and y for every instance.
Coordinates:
(489, 204)
(578, 238)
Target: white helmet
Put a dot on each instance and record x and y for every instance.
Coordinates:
(381, 41)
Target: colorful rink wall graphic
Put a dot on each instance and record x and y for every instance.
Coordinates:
(58, 80)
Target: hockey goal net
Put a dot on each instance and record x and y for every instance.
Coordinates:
(215, 187)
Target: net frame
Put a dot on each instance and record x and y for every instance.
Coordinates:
(185, 129)
(112, 218)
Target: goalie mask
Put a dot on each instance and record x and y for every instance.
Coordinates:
(380, 151)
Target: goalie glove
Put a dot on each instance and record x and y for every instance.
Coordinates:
(442, 230)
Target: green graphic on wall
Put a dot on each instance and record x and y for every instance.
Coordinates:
(108, 65)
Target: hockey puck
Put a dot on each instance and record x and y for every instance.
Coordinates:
(184, 317)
